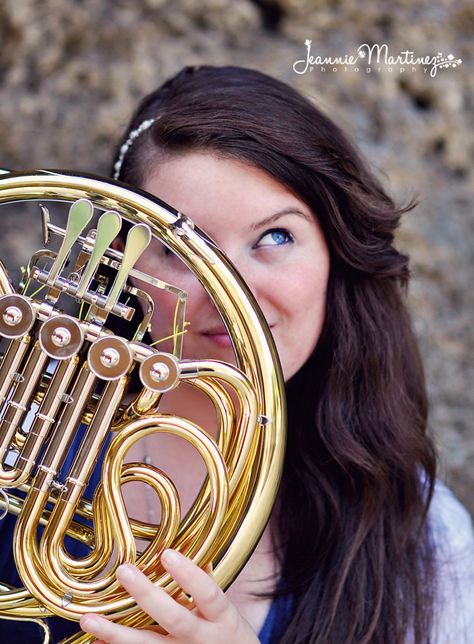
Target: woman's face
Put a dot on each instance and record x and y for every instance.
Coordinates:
(270, 235)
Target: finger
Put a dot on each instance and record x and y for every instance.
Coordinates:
(177, 620)
(207, 596)
(112, 633)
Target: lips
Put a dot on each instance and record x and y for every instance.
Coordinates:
(217, 330)
(219, 336)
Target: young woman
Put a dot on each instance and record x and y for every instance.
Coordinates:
(363, 545)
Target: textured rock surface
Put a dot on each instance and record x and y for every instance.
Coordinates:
(71, 72)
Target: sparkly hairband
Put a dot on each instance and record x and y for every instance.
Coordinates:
(126, 146)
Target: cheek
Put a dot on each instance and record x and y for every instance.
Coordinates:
(302, 309)
(172, 272)
(163, 314)
(304, 293)
(199, 308)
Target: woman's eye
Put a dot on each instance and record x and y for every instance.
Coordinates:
(276, 237)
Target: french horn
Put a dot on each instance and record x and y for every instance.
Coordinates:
(63, 372)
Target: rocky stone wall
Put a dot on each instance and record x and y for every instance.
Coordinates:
(71, 71)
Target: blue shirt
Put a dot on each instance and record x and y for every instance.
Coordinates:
(279, 615)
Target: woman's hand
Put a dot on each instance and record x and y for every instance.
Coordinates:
(214, 620)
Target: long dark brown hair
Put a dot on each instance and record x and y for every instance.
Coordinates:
(360, 467)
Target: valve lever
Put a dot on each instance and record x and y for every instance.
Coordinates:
(137, 241)
(107, 229)
(80, 215)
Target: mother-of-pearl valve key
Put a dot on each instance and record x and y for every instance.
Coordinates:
(138, 239)
(107, 229)
(80, 215)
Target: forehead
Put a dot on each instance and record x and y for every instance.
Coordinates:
(214, 190)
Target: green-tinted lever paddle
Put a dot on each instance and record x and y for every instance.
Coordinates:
(80, 215)
(107, 229)
(137, 240)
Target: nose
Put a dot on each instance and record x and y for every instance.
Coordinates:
(250, 273)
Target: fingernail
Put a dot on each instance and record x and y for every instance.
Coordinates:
(90, 624)
(171, 557)
(125, 572)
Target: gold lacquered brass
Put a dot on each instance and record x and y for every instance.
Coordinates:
(55, 362)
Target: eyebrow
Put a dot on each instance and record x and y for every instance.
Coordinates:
(277, 215)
